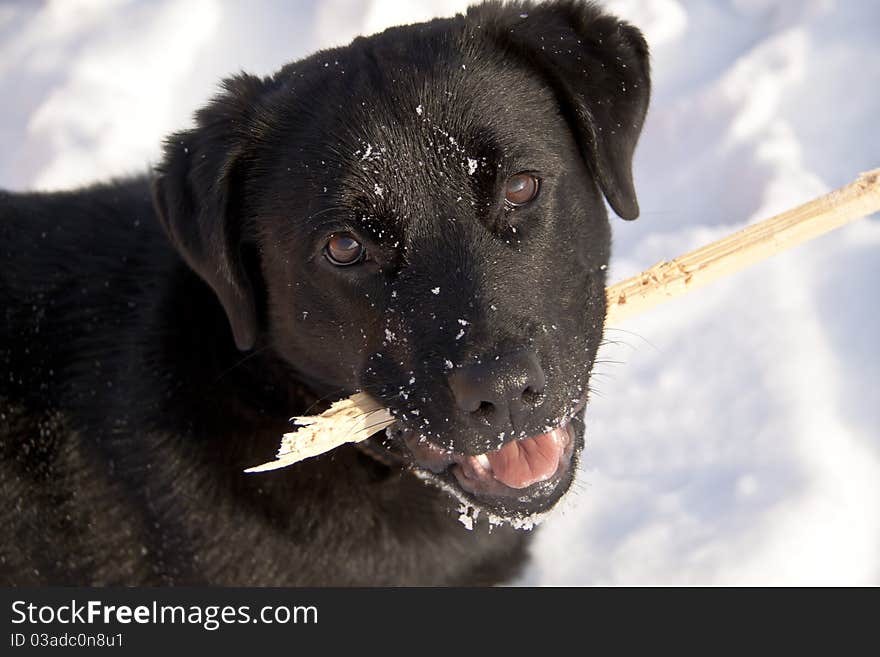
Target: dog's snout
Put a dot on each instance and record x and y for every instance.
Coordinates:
(499, 390)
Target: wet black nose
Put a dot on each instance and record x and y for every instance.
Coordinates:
(500, 390)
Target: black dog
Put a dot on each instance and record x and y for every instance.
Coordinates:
(418, 215)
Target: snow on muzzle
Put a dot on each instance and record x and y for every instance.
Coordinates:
(504, 472)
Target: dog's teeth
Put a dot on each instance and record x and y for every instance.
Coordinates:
(483, 460)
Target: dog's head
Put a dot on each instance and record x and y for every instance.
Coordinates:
(420, 215)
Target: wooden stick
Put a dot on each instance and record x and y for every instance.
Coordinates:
(730, 254)
(360, 416)
(349, 420)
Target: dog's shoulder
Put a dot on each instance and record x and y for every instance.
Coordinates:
(71, 262)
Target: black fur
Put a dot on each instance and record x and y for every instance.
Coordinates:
(156, 337)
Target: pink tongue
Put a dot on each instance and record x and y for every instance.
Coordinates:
(521, 463)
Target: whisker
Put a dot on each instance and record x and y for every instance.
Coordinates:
(335, 392)
(635, 335)
(608, 361)
(332, 208)
(332, 393)
(246, 358)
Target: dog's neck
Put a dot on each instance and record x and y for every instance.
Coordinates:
(236, 389)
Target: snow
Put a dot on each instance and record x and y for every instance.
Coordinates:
(734, 435)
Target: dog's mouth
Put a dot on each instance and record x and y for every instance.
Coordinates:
(519, 467)
(514, 484)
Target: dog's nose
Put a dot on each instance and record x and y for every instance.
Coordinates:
(500, 390)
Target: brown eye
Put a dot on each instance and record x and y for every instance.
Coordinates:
(521, 188)
(343, 249)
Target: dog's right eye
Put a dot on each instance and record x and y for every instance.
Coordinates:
(342, 250)
(521, 188)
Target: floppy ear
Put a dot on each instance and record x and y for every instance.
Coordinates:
(597, 66)
(195, 195)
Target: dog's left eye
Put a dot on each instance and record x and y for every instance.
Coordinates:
(342, 250)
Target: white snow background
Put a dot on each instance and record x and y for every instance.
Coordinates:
(735, 434)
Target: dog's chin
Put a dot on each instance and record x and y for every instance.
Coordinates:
(513, 485)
